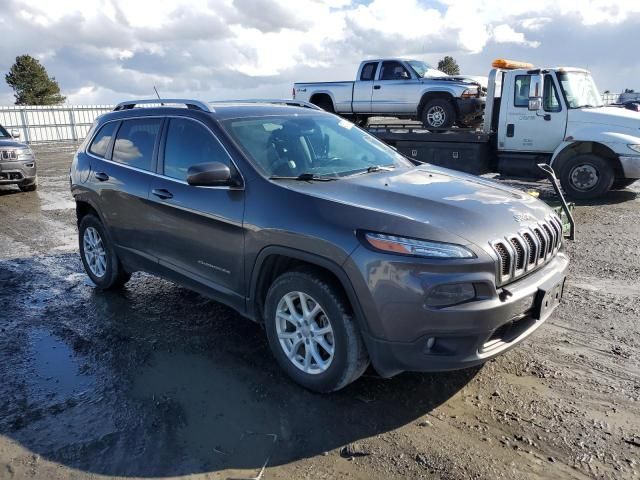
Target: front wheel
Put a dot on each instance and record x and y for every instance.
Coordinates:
(586, 176)
(98, 255)
(438, 114)
(29, 187)
(311, 334)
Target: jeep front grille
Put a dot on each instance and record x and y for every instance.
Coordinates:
(528, 249)
(8, 155)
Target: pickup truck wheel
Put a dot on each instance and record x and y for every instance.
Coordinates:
(438, 114)
(98, 255)
(586, 176)
(314, 339)
(324, 103)
(622, 183)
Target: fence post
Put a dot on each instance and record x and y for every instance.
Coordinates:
(25, 126)
(72, 123)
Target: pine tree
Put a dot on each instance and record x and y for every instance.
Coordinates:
(32, 84)
(449, 66)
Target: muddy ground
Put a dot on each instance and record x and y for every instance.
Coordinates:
(157, 381)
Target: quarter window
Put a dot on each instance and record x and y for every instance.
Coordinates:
(368, 71)
(102, 140)
(135, 141)
(188, 144)
(521, 94)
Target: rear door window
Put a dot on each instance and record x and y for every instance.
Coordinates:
(135, 142)
(190, 143)
(368, 71)
(102, 140)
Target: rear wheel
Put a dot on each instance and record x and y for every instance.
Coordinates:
(438, 113)
(586, 176)
(622, 183)
(324, 103)
(98, 255)
(311, 334)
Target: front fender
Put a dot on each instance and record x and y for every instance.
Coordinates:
(617, 141)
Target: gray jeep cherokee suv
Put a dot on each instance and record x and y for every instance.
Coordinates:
(17, 163)
(346, 251)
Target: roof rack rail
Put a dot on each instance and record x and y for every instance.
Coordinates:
(192, 104)
(274, 101)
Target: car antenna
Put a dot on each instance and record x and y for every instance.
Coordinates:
(158, 95)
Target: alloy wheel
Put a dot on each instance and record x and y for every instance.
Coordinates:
(305, 333)
(94, 252)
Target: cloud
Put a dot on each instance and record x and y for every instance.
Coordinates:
(108, 50)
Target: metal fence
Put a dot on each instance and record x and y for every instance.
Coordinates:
(51, 124)
(72, 122)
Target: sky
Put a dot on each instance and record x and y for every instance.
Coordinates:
(105, 51)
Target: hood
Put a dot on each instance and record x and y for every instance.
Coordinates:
(8, 143)
(610, 116)
(436, 199)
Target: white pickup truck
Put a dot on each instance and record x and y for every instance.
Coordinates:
(400, 88)
(532, 116)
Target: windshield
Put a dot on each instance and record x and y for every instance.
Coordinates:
(425, 70)
(318, 144)
(579, 89)
(4, 133)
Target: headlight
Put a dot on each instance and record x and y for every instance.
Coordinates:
(417, 248)
(470, 93)
(25, 154)
(635, 148)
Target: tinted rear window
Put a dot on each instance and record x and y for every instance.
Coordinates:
(102, 139)
(135, 141)
(368, 71)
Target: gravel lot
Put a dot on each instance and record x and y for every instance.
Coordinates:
(157, 381)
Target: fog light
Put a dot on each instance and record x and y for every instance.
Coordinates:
(446, 295)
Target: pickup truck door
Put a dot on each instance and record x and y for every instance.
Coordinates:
(363, 88)
(395, 91)
(523, 130)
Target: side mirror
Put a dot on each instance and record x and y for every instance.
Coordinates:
(15, 133)
(535, 104)
(535, 92)
(211, 174)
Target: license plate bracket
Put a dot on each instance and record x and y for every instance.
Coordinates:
(548, 298)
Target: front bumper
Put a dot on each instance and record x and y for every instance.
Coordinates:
(470, 110)
(17, 172)
(470, 333)
(630, 165)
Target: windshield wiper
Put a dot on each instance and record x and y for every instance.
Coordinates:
(304, 177)
(373, 168)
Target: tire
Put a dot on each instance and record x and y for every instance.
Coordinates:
(325, 103)
(586, 176)
(29, 187)
(108, 273)
(438, 114)
(335, 370)
(622, 183)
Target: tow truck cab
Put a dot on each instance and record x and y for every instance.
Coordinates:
(532, 116)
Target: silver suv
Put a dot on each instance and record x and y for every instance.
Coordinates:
(17, 162)
(346, 251)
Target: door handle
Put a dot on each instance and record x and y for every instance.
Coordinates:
(510, 129)
(547, 117)
(376, 87)
(101, 176)
(162, 193)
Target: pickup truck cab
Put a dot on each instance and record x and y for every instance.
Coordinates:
(400, 88)
(539, 115)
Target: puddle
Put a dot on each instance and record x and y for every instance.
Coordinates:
(55, 371)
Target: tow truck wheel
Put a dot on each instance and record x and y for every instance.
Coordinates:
(586, 176)
(438, 114)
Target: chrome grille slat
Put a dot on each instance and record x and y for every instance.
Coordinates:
(527, 249)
